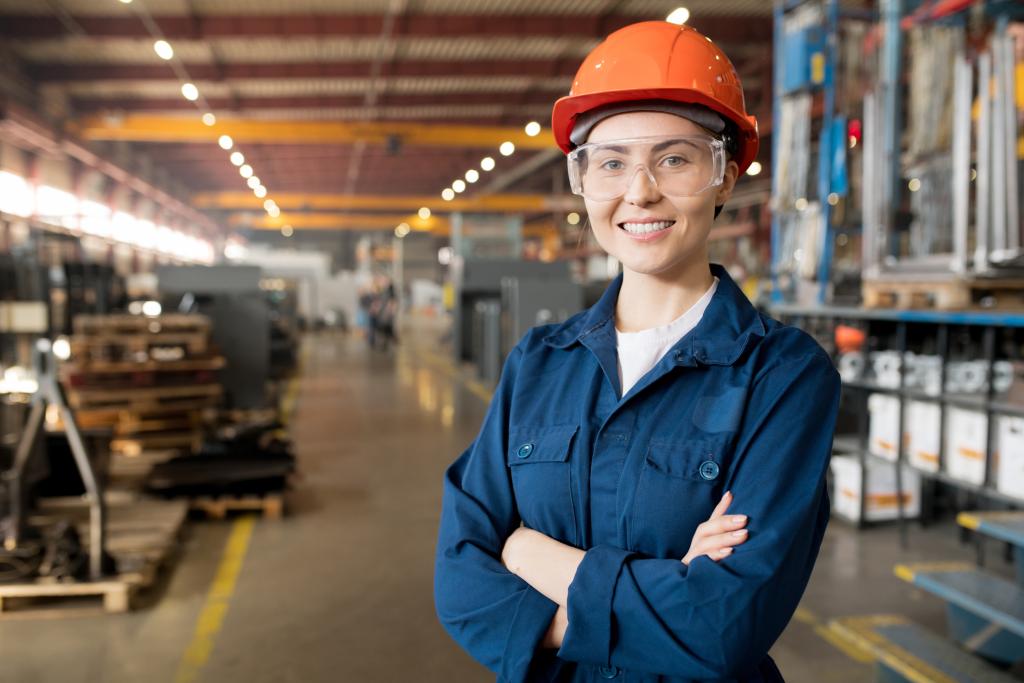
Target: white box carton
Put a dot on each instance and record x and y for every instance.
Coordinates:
(1010, 456)
(923, 429)
(884, 425)
(966, 434)
(880, 500)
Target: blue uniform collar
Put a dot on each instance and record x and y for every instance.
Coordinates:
(729, 325)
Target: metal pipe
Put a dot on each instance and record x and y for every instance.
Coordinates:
(1006, 86)
(960, 178)
(999, 153)
(982, 193)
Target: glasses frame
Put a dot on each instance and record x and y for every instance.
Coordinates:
(576, 176)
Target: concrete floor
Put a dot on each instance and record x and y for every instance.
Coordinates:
(340, 590)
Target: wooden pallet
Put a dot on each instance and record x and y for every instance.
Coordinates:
(108, 416)
(948, 293)
(140, 443)
(139, 398)
(130, 324)
(218, 507)
(142, 535)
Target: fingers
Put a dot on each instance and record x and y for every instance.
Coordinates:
(722, 506)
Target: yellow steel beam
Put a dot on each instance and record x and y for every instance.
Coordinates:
(156, 128)
(512, 203)
(333, 221)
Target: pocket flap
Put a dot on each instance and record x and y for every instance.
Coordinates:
(540, 444)
(697, 459)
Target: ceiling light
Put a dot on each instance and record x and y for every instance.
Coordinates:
(507, 148)
(287, 231)
(260, 191)
(472, 175)
(573, 218)
(225, 142)
(253, 182)
(274, 212)
(209, 119)
(459, 186)
(163, 49)
(423, 213)
(914, 185)
(533, 129)
(447, 194)
(237, 158)
(190, 91)
(487, 163)
(680, 15)
(245, 171)
(126, 2)
(754, 168)
(269, 203)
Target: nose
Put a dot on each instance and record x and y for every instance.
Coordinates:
(643, 188)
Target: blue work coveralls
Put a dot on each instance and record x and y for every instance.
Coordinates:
(742, 403)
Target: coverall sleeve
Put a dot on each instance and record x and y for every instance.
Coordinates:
(718, 620)
(496, 616)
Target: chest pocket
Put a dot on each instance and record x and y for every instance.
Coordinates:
(680, 484)
(540, 461)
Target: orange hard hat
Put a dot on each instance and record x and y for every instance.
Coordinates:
(656, 60)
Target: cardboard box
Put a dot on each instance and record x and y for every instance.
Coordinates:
(881, 501)
(884, 425)
(966, 434)
(1009, 463)
(924, 434)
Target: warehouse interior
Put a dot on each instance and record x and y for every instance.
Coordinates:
(262, 263)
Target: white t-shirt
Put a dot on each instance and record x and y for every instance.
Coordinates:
(640, 351)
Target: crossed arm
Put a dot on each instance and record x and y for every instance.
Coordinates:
(549, 566)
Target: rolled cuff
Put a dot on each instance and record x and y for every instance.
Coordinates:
(589, 635)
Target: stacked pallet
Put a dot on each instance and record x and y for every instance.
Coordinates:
(148, 378)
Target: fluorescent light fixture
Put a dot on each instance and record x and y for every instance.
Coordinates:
(260, 191)
(237, 158)
(533, 129)
(754, 168)
(423, 213)
(472, 175)
(190, 91)
(507, 148)
(225, 142)
(209, 119)
(459, 186)
(253, 182)
(447, 194)
(487, 164)
(245, 170)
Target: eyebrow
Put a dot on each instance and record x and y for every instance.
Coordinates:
(657, 148)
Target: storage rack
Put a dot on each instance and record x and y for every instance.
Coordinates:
(989, 323)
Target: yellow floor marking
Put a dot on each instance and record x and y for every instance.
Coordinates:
(443, 364)
(968, 520)
(211, 618)
(858, 630)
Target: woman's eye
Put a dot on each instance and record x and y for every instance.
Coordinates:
(673, 161)
(612, 165)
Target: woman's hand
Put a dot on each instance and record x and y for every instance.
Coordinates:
(717, 536)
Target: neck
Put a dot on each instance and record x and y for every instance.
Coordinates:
(647, 301)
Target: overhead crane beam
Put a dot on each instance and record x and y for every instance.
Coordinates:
(437, 225)
(147, 128)
(496, 203)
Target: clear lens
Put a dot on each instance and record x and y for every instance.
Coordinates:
(681, 166)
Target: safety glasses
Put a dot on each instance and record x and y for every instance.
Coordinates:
(680, 166)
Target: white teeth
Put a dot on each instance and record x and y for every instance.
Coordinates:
(644, 228)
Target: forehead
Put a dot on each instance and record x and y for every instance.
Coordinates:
(641, 124)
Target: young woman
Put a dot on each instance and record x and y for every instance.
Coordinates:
(583, 534)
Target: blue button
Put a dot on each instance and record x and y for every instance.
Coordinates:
(709, 469)
(608, 671)
(525, 450)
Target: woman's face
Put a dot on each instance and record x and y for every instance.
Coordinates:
(662, 252)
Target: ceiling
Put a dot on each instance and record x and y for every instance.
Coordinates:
(489, 63)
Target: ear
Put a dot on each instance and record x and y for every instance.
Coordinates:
(732, 171)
